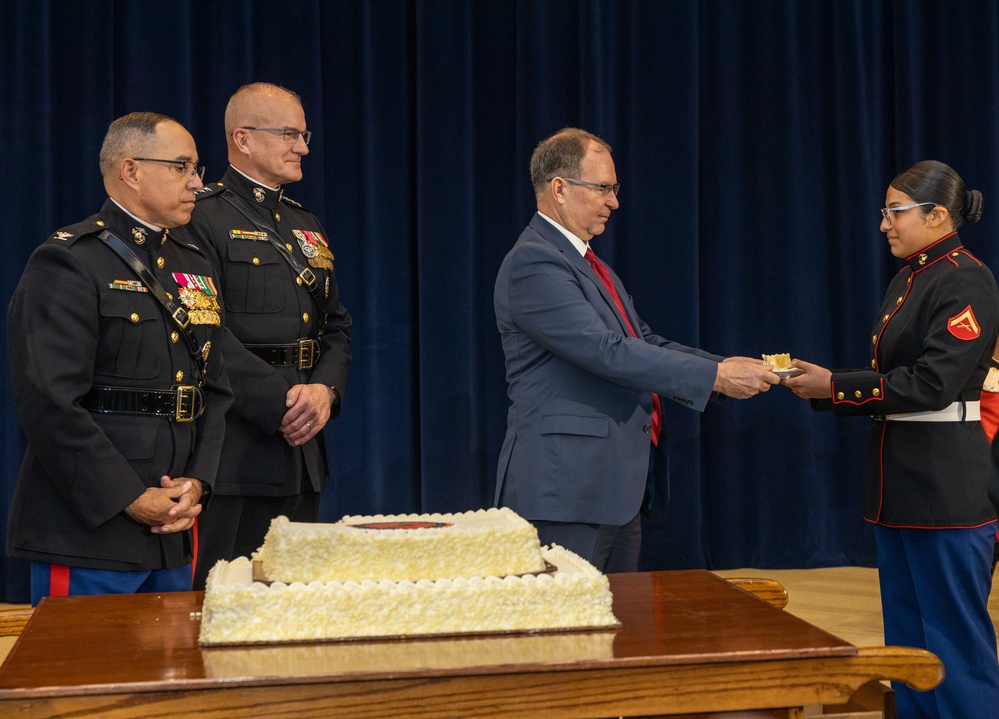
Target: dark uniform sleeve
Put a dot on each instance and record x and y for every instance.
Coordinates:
(52, 340)
(334, 363)
(946, 359)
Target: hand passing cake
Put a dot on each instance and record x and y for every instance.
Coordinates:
(411, 575)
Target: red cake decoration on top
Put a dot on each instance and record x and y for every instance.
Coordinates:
(400, 525)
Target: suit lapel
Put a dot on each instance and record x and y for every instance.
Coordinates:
(550, 233)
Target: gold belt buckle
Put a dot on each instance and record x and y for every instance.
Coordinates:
(306, 353)
(185, 405)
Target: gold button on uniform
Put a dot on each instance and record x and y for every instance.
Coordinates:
(858, 394)
(885, 318)
(134, 317)
(288, 245)
(277, 216)
(305, 317)
(256, 260)
(174, 337)
(874, 363)
(898, 301)
(298, 281)
(179, 376)
(840, 395)
(876, 393)
(874, 339)
(160, 262)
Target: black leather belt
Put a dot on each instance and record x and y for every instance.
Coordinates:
(183, 403)
(303, 354)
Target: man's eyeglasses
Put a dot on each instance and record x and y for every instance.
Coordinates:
(288, 134)
(604, 190)
(184, 167)
(886, 211)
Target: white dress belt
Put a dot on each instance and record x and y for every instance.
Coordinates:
(955, 412)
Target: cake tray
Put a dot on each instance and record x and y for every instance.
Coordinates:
(408, 637)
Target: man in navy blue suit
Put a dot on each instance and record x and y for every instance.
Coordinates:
(585, 374)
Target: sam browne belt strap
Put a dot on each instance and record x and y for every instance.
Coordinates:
(177, 313)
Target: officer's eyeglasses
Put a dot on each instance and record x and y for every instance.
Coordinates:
(886, 211)
(183, 167)
(288, 134)
(604, 190)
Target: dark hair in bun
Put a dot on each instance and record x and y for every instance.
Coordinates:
(932, 181)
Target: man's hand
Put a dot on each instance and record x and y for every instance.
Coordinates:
(743, 377)
(169, 508)
(308, 411)
(816, 383)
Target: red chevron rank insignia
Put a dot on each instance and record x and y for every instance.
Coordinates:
(964, 326)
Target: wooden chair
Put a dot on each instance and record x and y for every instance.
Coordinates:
(12, 621)
(769, 590)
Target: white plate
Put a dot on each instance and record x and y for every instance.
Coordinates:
(787, 373)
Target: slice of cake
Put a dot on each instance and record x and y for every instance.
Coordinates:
(238, 610)
(991, 380)
(483, 543)
(778, 361)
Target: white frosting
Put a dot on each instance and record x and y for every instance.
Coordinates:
(483, 543)
(239, 610)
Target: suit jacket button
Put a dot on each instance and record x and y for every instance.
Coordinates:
(647, 428)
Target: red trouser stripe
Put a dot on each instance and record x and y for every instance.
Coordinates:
(58, 580)
(194, 544)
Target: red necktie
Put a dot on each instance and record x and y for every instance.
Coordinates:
(604, 274)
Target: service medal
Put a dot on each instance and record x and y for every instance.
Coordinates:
(315, 248)
(198, 294)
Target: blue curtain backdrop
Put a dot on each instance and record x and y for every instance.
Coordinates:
(754, 142)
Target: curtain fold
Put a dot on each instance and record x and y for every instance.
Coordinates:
(753, 141)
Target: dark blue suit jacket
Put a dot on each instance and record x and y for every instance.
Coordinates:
(580, 386)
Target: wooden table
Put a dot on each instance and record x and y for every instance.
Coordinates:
(690, 644)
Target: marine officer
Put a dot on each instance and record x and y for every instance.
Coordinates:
(287, 343)
(114, 334)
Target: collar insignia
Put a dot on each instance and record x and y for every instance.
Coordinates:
(259, 195)
(139, 235)
(60, 235)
